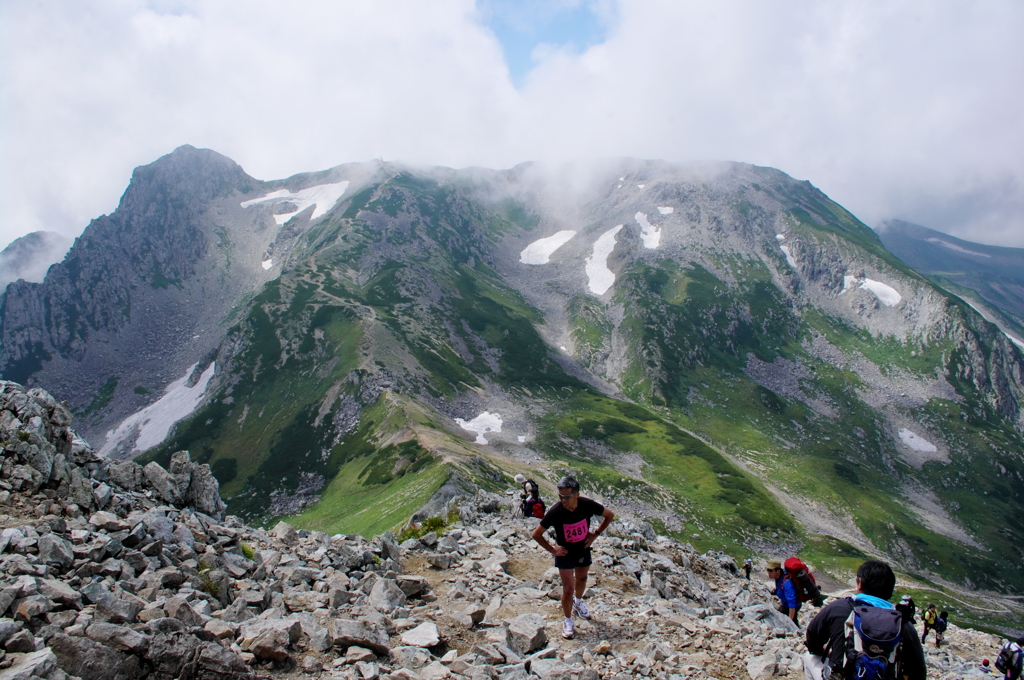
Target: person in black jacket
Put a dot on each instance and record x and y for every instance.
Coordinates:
(826, 634)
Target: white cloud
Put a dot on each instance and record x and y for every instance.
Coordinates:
(900, 110)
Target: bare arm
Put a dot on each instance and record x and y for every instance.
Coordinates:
(556, 550)
(606, 518)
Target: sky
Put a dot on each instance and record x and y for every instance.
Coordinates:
(906, 109)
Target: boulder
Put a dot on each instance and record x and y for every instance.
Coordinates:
(526, 633)
(118, 637)
(423, 635)
(551, 669)
(285, 533)
(90, 660)
(38, 664)
(411, 657)
(386, 596)
(56, 552)
(762, 667)
(348, 632)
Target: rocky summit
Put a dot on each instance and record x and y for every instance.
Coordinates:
(112, 570)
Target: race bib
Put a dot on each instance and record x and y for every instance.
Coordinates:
(577, 531)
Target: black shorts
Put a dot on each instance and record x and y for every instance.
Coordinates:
(577, 558)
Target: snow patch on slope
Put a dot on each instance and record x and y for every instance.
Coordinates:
(323, 196)
(789, 256)
(601, 278)
(650, 233)
(916, 441)
(666, 210)
(540, 251)
(151, 425)
(483, 423)
(267, 264)
(885, 293)
(953, 246)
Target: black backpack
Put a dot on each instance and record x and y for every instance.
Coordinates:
(1007, 657)
(873, 643)
(533, 506)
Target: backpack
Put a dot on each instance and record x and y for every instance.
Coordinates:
(1007, 657)
(533, 506)
(940, 625)
(803, 582)
(873, 643)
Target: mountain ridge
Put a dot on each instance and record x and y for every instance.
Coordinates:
(725, 300)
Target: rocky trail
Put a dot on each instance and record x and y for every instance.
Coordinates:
(114, 571)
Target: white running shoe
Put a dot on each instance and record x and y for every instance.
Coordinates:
(580, 608)
(568, 629)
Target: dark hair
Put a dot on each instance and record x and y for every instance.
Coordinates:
(876, 579)
(944, 614)
(569, 482)
(1020, 640)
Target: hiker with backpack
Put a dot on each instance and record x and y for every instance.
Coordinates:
(930, 616)
(1010, 661)
(570, 518)
(784, 589)
(907, 608)
(864, 636)
(531, 505)
(794, 585)
(747, 566)
(940, 627)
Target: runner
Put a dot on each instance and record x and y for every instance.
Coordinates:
(570, 517)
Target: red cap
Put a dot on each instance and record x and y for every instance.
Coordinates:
(984, 662)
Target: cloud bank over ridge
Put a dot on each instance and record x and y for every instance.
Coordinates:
(911, 110)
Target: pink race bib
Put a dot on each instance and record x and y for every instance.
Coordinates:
(577, 531)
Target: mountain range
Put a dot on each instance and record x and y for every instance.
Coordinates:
(717, 348)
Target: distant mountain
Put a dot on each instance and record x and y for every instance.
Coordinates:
(31, 255)
(717, 348)
(990, 277)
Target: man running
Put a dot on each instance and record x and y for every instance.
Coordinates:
(570, 517)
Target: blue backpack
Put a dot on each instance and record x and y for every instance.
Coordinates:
(873, 643)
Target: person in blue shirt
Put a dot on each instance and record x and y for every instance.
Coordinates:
(785, 590)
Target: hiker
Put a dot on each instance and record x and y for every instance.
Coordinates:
(570, 517)
(532, 505)
(747, 566)
(907, 608)
(785, 590)
(832, 640)
(931, 615)
(940, 627)
(1010, 661)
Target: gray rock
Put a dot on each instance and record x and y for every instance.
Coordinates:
(126, 474)
(413, 585)
(60, 592)
(762, 667)
(551, 669)
(527, 634)
(30, 607)
(179, 608)
(39, 664)
(411, 657)
(119, 637)
(56, 552)
(348, 632)
(8, 628)
(285, 533)
(386, 596)
(90, 660)
(423, 635)
(21, 642)
(163, 483)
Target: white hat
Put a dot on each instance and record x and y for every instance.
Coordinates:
(905, 598)
(519, 479)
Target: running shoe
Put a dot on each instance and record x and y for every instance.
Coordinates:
(580, 608)
(568, 629)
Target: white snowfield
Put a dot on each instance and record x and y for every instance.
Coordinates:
(885, 293)
(267, 264)
(601, 278)
(483, 423)
(324, 196)
(666, 209)
(781, 237)
(916, 441)
(541, 250)
(789, 256)
(985, 315)
(953, 246)
(154, 422)
(650, 233)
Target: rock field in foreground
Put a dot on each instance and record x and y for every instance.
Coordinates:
(114, 571)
